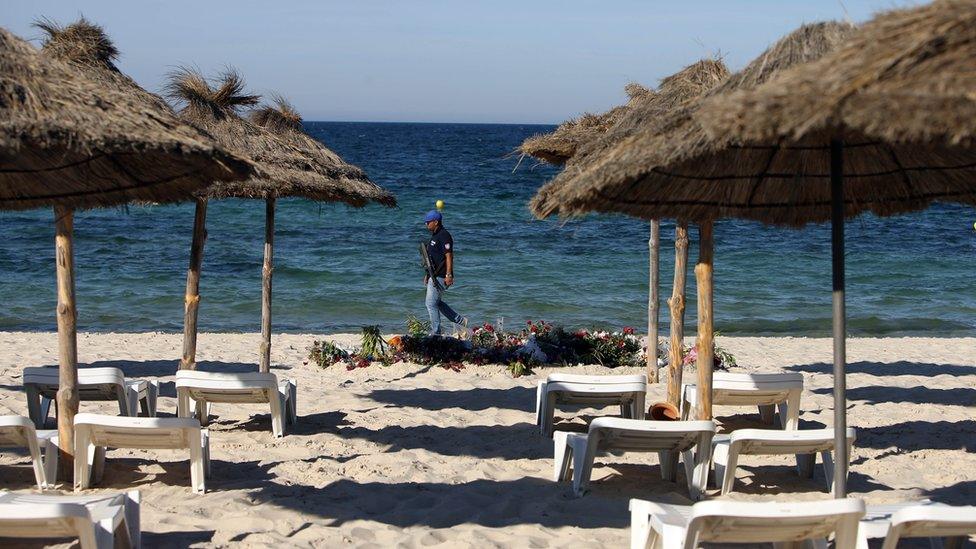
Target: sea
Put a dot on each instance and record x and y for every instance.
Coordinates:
(339, 268)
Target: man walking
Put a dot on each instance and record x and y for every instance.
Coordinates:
(440, 250)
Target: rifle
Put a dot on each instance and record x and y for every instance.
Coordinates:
(429, 267)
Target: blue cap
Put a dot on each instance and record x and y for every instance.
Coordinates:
(432, 215)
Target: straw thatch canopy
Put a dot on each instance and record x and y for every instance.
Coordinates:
(674, 91)
(899, 96)
(282, 169)
(634, 177)
(907, 77)
(284, 121)
(87, 47)
(66, 140)
(562, 143)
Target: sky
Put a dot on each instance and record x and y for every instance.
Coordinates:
(494, 61)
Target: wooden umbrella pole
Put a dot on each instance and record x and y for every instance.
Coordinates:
(67, 396)
(192, 299)
(677, 306)
(706, 335)
(653, 300)
(269, 215)
(840, 317)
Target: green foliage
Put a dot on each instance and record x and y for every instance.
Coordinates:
(724, 358)
(417, 327)
(373, 346)
(614, 350)
(326, 353)
(519, 368)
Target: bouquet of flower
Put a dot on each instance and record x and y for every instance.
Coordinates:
(722, 359)
(538, 342)
(614, 349)
(326, 353)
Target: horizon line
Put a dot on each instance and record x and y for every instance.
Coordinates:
(305, 121)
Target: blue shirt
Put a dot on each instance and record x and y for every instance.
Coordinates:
(440, 244)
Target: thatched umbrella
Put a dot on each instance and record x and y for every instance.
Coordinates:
(883, 125)
(890, 112)
(288, 165)
(561, 144)
(615, 180)
(69, 142)
(673, 92)
(284, 121)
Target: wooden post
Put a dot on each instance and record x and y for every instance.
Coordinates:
(192, 298)
(706, 334)
(677, 306)
(840, 317)
(269, 215)
(653, 301)
(67, 395)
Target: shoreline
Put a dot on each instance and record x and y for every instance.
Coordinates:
(285, 345)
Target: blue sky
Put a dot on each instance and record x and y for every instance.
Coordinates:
(439, 61)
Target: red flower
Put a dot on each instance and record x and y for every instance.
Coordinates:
(628, 330)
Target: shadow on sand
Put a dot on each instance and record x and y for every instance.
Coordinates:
(490, 503)
(516, 398)
(874, 394)
(727, 424)
(165, 540)
(920, 435)
(900, 368)
(312, 424)
(962, 493)
(519, 441)
(781, 479)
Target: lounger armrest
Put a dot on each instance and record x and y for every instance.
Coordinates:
(935, 513)
(662, 512)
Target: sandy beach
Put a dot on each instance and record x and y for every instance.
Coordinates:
(418, 456)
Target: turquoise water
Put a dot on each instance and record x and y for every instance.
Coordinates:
(338, 268)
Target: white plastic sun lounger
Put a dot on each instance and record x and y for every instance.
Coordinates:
(768, 392)
(690, 439)
(664, 526)
(94, 520)
(94, 433)
(628, 392)
(94, 384)
(19, 432)
(920, 519)
(805, 444)
(205, 388)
